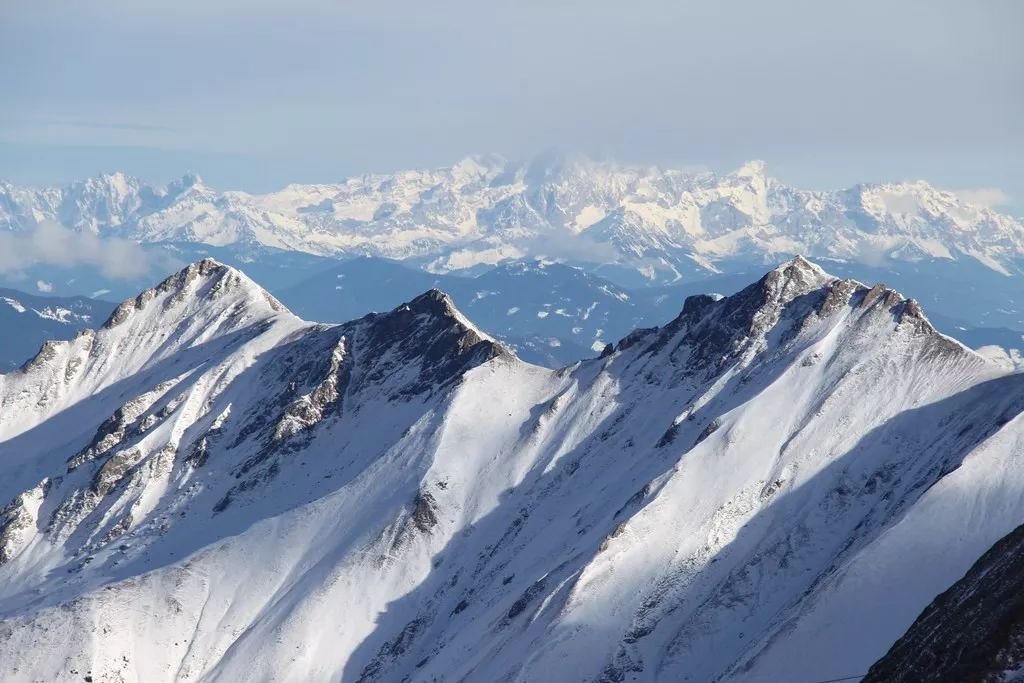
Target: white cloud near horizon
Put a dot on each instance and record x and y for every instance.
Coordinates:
(52, 244)
(988, 197)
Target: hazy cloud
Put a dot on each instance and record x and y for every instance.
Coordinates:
(580, 246)
(101, 125)
(52, 244)
(989, 197)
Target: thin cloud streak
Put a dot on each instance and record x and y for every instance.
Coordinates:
(90, 125)
(106, 125)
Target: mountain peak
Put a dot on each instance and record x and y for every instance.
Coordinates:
(792, 296)
(433, 301)
(420, 346)
(205, 282)
(114, 177)
(189, 181)
(710, 504)
(439, 306)
(116, 187)
(798, 277)
(436, 304)
(793, 278)
(799, 266)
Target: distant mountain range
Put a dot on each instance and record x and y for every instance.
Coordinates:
(27, 321)
(634, 225)
(784, 484)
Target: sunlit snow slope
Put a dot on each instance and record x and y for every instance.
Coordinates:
(771, 487)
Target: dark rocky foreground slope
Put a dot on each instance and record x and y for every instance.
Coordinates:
(971, 633)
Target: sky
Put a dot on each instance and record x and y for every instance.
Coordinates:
(254, 94)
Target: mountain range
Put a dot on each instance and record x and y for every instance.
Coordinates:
(638, 225)
(649, 233)
(773, 485)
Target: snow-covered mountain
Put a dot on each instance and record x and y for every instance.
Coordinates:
(639, 224)
(772, 486)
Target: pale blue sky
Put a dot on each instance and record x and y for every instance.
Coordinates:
(253, 94)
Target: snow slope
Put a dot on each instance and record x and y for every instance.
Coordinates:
(770, 487)
(646, 224)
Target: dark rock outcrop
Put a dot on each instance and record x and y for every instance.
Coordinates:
(971, 633)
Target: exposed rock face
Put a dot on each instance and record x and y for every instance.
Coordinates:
(310, 408)
(124, 423)
(712, 333)
(17, 520)
(971, 633)
(428, 337)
